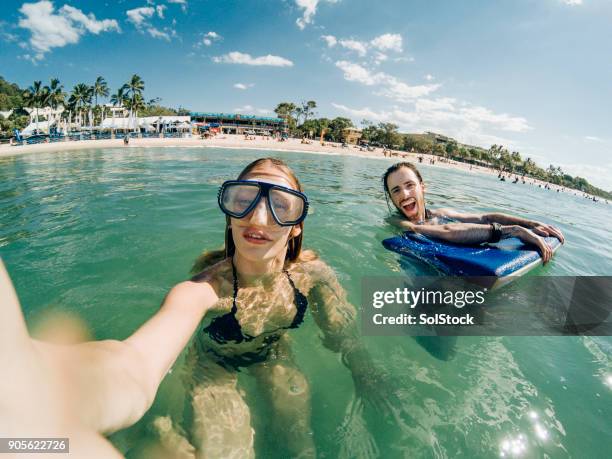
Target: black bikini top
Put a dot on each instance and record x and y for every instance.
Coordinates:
(226, 328)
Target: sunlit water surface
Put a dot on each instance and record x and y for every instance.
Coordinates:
(106, 233)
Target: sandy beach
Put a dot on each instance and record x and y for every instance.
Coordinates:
(259, 143)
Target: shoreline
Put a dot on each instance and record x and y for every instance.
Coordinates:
(230, 141)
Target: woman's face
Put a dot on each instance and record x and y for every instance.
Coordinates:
(407, 193)
(257, 236)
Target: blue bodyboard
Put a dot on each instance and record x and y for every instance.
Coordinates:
(509, 257)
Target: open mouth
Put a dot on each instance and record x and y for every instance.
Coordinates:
(255, 236)
(409, 206)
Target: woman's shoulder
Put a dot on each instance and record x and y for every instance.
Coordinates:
(313, 268)
(215, 275)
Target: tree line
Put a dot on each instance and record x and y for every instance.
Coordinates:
(301, 122)
(81, 105)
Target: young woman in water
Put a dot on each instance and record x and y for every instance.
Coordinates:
(405, 187)
(261, 286)
(251, 294)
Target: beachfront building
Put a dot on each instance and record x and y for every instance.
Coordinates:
(236, 123)
(148, 124)
(351, 135)
(50, 120)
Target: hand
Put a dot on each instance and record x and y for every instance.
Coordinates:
(51, 391)
(544, 230)
(529, 237)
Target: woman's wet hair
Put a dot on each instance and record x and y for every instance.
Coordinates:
(294, 244)
(395, 167)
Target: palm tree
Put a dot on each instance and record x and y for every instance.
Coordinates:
(33, 97)
(81, 95)
(118, 99)
(100, 88)
(132, 88)
(55, 94)
(136, 103)
(71, 105)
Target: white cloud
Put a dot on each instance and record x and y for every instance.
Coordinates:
(390, 86)
(211, 37)
(501, 121)
(310, 9)
(380, 58)
(388, 42)
(243, 86)
(89, 21)
(468, 123)
(138, 16)
(572, 2)
(354, 45)
(156, 33)
(358, 73)
(183, 4)
(465, 122)
(330, 40)
(263, 111)
(236, 57)
(441, 103)
(403, 92)
(54, 30)
(381, 44)
(592, 138)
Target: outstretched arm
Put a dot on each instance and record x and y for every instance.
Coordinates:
(91, 387)
(476, 233)
(541, 229)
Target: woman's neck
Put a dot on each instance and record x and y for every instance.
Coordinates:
(252, 270)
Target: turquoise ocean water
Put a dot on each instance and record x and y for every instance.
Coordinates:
(106, 233)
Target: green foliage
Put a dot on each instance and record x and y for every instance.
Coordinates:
(11, 95)
(336, 128)
(313, 128)
(384, 134)
(418, 143)
(288, 111)
(157, 110)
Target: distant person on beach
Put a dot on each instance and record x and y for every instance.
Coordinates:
(126, 139)
(405, 187)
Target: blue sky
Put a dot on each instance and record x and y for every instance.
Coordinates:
(534, 75)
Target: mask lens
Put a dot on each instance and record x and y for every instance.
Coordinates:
(288, 207)
(238, 197)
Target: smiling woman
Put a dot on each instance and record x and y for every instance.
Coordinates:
(260, 286)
